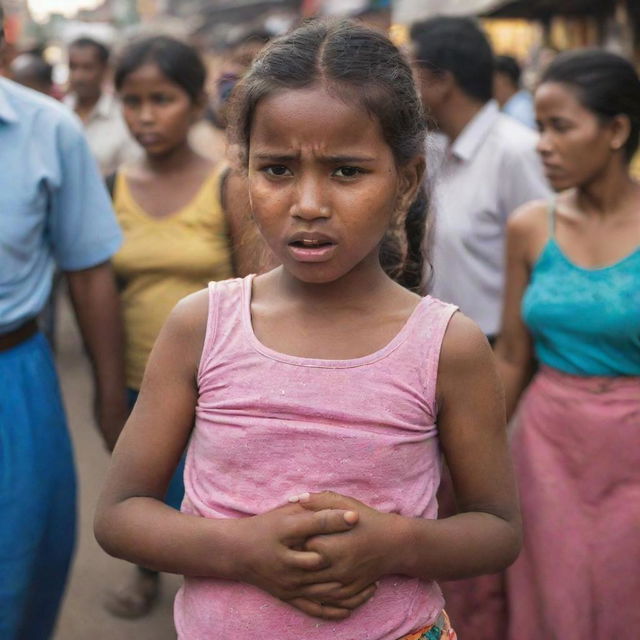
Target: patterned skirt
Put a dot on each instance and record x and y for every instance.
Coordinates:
(439, 630)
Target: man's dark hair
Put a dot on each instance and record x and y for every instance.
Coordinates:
(101, 50)
(1, 23)
(508, 66)
(459, 46)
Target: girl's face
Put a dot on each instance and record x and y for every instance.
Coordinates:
(158, 112)
(323, 183)
(575, 145)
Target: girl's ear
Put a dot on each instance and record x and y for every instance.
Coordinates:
(411, 175)
(620, 130)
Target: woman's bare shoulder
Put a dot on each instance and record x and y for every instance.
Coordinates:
(528, 230)
(529, 218)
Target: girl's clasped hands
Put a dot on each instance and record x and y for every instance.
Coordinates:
(321, 553)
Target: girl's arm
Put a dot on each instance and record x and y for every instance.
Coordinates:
(484, 537)
(132, 521)
(514, 351)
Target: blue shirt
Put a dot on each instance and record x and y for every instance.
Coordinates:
(585, 322)
(520, 106)
(54, 207)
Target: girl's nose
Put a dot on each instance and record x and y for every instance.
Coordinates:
(310, 203)
(146, 112)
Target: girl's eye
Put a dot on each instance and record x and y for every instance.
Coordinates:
(347, 172)
(277, 170)
(130, 101)
(561, 126)
(161, 98)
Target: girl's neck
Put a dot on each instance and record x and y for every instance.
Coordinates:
(174, 161)
(360, 288)
(607, 194)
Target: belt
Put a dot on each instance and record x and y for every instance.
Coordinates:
(15, 337)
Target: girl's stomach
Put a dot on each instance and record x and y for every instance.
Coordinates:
(207, 609)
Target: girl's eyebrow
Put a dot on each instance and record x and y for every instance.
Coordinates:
(337, 159)
(275, 157)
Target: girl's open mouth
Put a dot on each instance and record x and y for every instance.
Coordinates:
(311, 250)
(311, 244)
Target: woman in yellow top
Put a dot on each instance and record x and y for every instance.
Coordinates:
(176, 211)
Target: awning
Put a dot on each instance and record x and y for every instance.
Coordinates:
(546, 8)
(408, 11)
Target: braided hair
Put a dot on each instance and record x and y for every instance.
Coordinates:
(357, 64)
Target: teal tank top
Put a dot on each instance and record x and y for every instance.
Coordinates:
(584, 322)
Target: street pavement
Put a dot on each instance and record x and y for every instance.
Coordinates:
(83, 616)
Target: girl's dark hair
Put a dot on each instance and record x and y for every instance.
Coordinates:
(605, 83)
(178, 61)
(358, 65)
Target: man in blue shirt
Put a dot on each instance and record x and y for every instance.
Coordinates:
(53, 210)
(513, 99)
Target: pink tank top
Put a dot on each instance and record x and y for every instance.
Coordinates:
(269, 425)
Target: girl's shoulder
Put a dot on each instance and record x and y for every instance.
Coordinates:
(187, 323)
(194, 308)
(465, 355)
(464, 342)
(195, 311)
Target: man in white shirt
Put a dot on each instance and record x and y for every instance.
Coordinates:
(105, 129)
(482, 165)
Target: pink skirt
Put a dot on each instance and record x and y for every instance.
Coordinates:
(577, 454)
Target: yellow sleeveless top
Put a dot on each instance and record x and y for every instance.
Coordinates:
(163, 260)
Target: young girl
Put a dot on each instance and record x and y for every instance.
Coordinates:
(323, 374)
(177, 235)
(573, 304)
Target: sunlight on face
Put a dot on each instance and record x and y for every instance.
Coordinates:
(320, 165)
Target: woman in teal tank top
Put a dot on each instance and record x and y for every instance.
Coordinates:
(572, 311)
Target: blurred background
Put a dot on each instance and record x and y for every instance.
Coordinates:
(526, 29)
(228, 33)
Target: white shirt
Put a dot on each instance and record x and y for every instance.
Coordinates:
(476, 183)
(107, 134)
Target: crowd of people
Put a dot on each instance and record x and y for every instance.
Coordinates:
(364, 326)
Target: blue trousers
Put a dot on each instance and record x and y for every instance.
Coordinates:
(37, 493)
